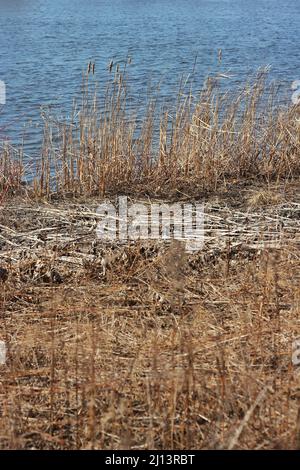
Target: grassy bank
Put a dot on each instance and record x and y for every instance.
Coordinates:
(143, 346)
(198, 142)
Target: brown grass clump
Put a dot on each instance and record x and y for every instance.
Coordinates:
(263, 197)
(11, 171)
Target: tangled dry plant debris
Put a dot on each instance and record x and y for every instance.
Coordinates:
(143, 345)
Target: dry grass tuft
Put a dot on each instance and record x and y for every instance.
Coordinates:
(264, 197)
(11, 172)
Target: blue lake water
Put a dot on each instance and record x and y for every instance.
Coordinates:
(45, 46)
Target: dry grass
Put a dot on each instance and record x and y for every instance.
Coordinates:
(158, 350)
(11, 171)
(143, 345)
(200, 142)
(264, 197)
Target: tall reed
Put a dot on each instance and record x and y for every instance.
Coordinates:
(11, 170)
(206, 139)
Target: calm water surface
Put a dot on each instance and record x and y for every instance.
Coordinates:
(46, 44)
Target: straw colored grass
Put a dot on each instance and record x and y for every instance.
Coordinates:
(141, 345)
(11, 171)
(200, 141)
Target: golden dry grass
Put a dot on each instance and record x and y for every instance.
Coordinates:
(162, 350)
(200, 141)
(11, 171)
(263, 197)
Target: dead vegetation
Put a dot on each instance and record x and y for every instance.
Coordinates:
(198, 143)
(143, 345)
